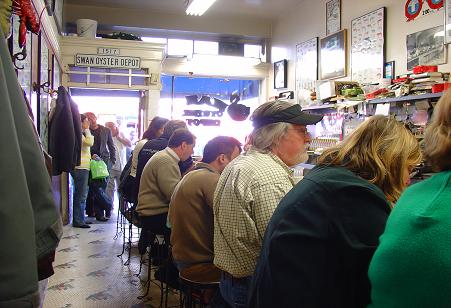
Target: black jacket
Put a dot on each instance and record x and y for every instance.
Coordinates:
(65, 134)
(103, 145)
(319, 243)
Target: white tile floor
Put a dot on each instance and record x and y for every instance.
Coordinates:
(88, 272)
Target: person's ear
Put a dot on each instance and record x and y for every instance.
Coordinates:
(222, 158)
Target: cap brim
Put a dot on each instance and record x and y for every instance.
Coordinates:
(305, 119)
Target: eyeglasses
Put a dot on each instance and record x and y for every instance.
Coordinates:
(300, 130)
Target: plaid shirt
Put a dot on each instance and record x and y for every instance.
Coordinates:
(247, 194)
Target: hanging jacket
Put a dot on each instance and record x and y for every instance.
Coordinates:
(29, 221)
(65, 134)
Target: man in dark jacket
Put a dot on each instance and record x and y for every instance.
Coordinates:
(103, 141)
(155, 145)
(98, 202)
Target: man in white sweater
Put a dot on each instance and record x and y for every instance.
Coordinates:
(159, 178)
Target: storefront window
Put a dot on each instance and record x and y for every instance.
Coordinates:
(204, 104)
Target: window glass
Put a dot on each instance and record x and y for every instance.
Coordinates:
(206, 48)
(158, 40)
(252, 51)
(203, 103)
(180, 47)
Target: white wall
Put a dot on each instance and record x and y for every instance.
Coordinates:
(307, 20)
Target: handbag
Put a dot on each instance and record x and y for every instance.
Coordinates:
(99, 169)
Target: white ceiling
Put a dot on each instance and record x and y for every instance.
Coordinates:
(270, 9)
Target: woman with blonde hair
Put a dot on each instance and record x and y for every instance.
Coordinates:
(412, 266)
(320, 240)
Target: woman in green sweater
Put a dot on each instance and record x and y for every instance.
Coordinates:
(412, 266)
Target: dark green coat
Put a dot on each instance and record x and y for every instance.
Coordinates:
(319, 243)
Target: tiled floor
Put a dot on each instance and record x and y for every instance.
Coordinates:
(88, 272)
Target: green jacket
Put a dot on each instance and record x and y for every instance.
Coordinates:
(412, 266)
(29, 221)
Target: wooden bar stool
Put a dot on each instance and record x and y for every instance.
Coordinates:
(195, 280)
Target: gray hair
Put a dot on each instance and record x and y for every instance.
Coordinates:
(265, 138)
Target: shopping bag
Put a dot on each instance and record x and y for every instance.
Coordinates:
(99, 169)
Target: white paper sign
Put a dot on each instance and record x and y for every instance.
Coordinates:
(107, 61)
(383, 109)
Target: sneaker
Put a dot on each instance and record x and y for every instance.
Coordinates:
(101, 218)
(84, 226)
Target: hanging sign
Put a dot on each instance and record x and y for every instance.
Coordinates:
(107, 61)
(419, 8)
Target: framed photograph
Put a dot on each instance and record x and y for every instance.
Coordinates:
(447, 23)
(306, 70)
(55, 9)
(368, 47)
(280, 74)
(333, 55)
(425, 48)
(333, 16)
(389, 70)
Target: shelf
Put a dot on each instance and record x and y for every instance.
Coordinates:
(405, 98)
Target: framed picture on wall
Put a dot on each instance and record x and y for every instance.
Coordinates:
(280, 74)
(333, 55)
(389, 70)
(306, 69)
(333, 16)
(425, 48)
(447, 21)
(368, 47)
(55, 9)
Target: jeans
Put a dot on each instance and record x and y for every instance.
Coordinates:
(113, 183)
(80, 177)
(234, 290)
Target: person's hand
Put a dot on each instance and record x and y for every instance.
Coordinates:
(95, 157)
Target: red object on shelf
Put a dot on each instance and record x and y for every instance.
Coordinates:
(439, 87)
(424, 69)
(375, 93)
(402, 79)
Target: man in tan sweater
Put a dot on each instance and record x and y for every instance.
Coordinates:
(191, 207)
(159, 178)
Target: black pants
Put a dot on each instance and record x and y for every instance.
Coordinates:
(155, 224)
(152, 225)
(98, 203)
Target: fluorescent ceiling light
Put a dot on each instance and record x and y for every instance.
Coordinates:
(198, 7)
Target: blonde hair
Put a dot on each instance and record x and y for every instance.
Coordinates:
(437, 138)
(380, 150)
(265, 138)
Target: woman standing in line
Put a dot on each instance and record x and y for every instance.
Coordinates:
(412, 266)
(81, 175)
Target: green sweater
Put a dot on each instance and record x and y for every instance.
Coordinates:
(412, 266)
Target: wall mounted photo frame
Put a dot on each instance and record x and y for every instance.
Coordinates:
(426, 48)
(447, 22)
(280, 74)
(306, 70)
(333, 55)
(389, 70)
(55, 9)
(333, 16)
(368, 47)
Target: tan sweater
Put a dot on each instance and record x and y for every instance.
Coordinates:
(191, 216)
(159, 178)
